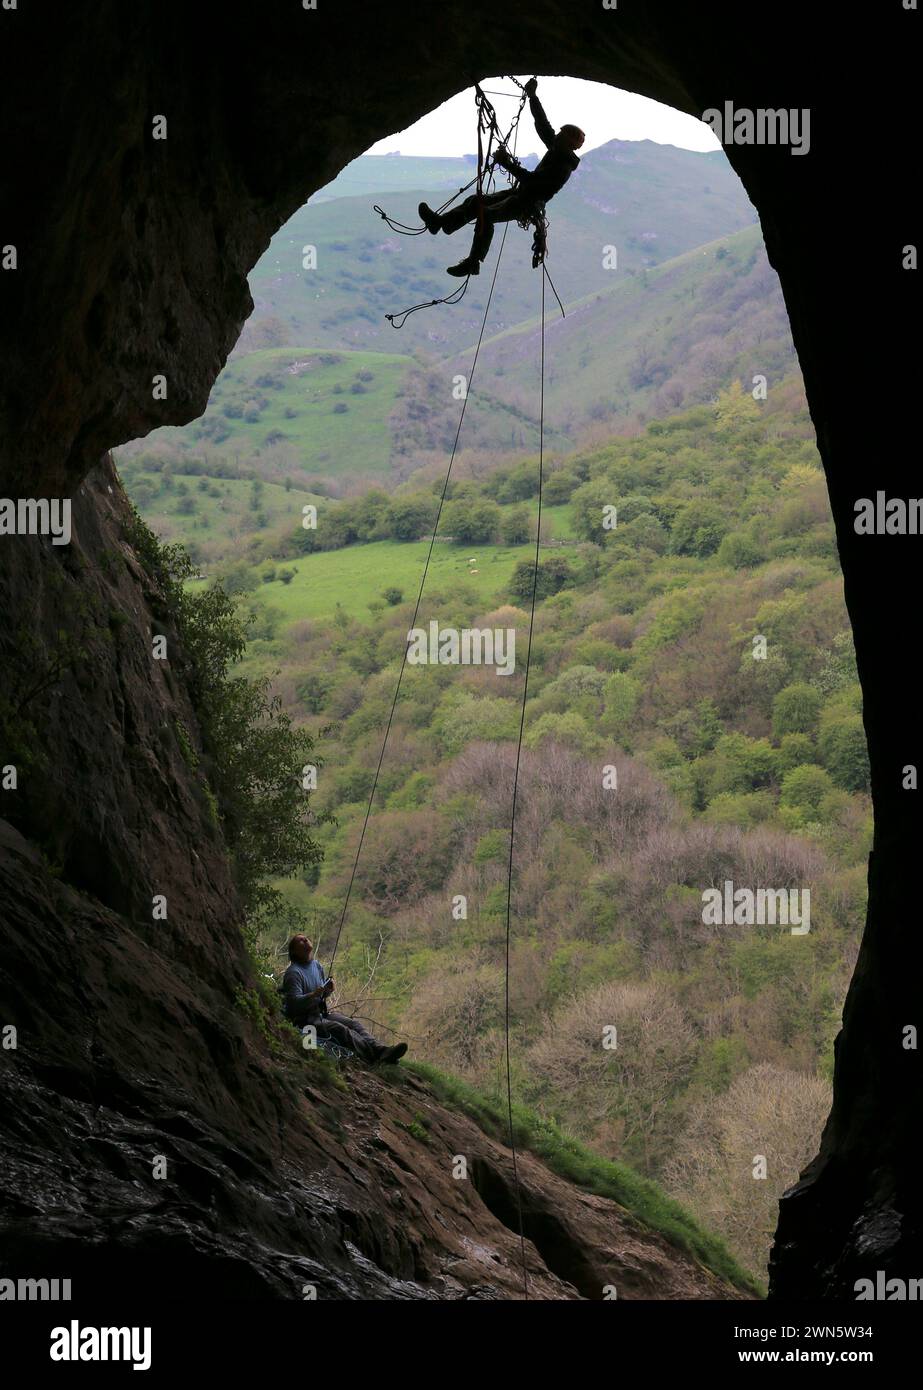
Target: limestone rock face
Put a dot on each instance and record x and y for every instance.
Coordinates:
(131, 257)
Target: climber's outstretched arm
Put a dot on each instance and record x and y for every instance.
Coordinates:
(544, 128)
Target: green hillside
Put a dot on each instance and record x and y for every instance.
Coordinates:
(212, 517)
(321, 391)
(730, 766)
(291, 413)
(389, 173)
(652, 343)
(651, 201)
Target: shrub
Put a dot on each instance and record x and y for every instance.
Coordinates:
(559, 487)
(745, 809)
(413, 795)
(410, 517)
(254, 753)
(577, 683)
(740, 550)
(844, 751)
(569, 730)
(698, 529)
(515, 526)
(795, 710)
(405, 854)
(622, 693)
(594, 651)
(618, 1097)
(313, 690)
(768, 1110)
(793, 750)
(805, 787)
(553, 575)
(471, 523)
(463, 717)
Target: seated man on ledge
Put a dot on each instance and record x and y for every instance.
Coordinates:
(305, 988)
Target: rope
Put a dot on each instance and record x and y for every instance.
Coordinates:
(481, 102)
(487, 120)
(404, 314)
(525, 692)
(403, 228)
(556, 295)
(509, 876)
(429, 555)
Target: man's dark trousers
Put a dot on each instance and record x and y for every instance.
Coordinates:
(506, 206)
(349, 1032)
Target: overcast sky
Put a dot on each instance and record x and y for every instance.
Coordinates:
(604, 112)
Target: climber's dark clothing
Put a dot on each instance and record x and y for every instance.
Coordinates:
(554, 168)
(298, 984)
(534, 188)
(508, 205)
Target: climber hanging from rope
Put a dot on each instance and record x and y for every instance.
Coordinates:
(525, 203)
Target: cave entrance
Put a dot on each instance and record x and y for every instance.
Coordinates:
(693, 635)
(151, 280)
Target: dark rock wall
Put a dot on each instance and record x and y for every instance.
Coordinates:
(132, 1048)
(132, 262)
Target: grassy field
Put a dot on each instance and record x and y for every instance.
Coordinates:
(355, 576)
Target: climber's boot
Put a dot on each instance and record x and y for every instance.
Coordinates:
(431, 220)
(469, 266)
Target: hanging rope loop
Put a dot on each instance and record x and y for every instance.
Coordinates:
(427, 304)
